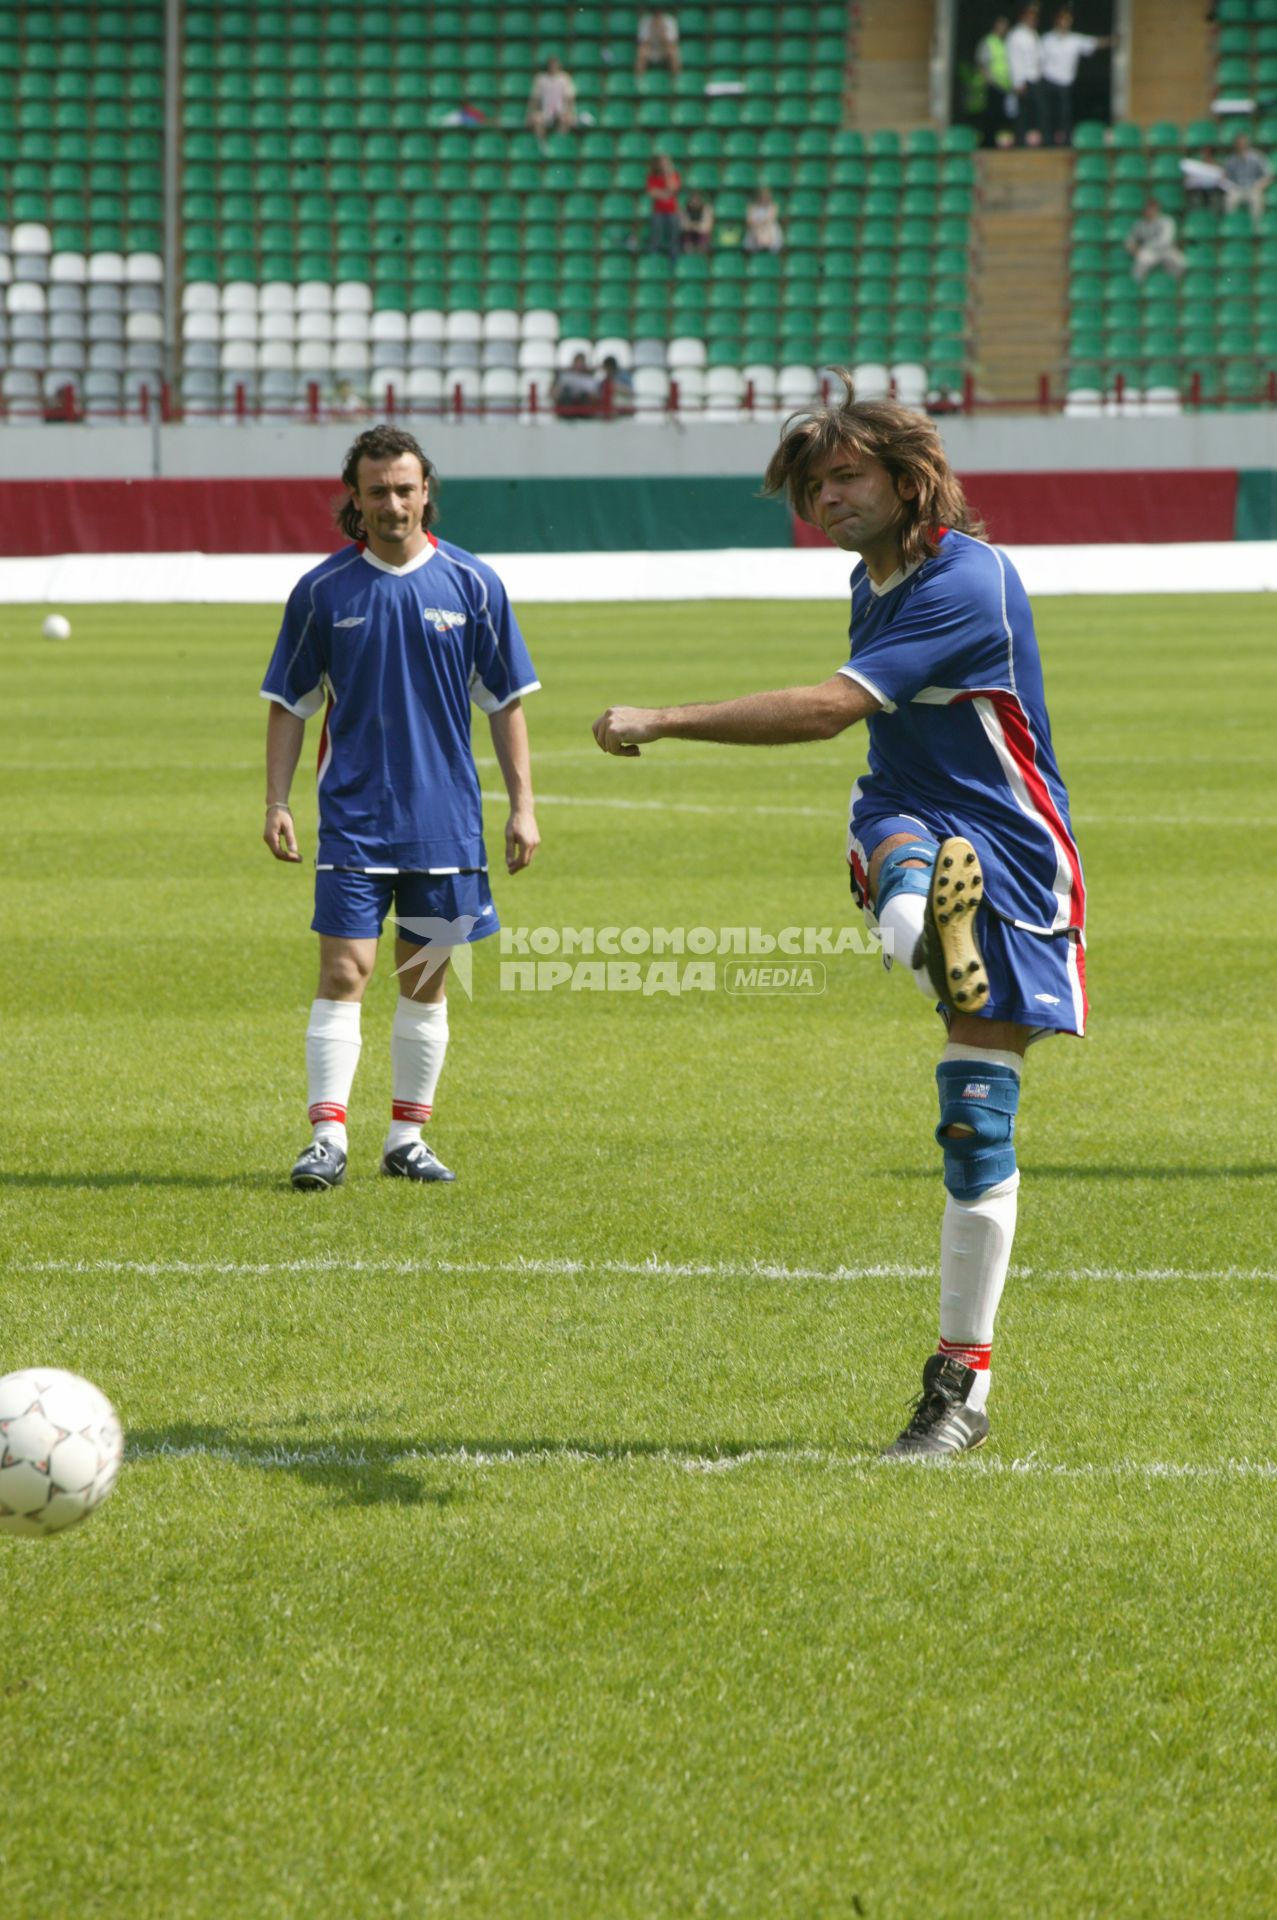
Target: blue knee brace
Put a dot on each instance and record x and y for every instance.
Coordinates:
(983, 1096)
(895, 877)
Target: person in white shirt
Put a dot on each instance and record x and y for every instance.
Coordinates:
(657, 43)
(1062, 50)
(1151, 244)
(552, 102)
(1024, 51)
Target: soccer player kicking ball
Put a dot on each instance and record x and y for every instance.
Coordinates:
(397, 634)
(960, 846)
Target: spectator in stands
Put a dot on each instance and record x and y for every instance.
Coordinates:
(614, 389)
(1203, 177)
(994, 64)
(763, 231)
(657, 43)
(552, 102)
(697, 222)
(1246, 176)
(1151, 243)
(1024, 52)
(574, 389)
(1062, 49)
(663, 183)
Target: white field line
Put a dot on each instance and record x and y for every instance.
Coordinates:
(651, 1268)
(833, 814)
(669, 806)
(858, 1466)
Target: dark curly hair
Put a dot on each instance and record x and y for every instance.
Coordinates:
(382, 443)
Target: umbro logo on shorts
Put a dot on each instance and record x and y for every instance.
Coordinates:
(441, 618)
(1048, 999)
(352, 620)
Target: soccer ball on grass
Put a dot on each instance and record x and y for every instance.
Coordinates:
(60, 1450)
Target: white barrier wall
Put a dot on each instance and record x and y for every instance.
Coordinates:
(812, 573)
(477, 450)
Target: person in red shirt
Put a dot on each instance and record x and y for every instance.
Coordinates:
(663, 182)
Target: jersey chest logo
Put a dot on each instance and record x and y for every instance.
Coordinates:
(442, 619)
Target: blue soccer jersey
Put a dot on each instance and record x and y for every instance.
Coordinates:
(963, 743)
(398, 654)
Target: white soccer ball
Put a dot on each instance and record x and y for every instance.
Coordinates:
(56, 627)
(60, 1450)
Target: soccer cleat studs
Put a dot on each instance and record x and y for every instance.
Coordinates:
(951, 953)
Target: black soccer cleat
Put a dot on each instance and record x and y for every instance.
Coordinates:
(323, 1165)
(416, 1161)
(942, 1425)
(950, 951)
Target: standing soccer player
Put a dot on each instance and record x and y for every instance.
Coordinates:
(960, 846)
(396, 636)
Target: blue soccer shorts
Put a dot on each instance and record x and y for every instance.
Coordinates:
(431, 909)
(1037, 980)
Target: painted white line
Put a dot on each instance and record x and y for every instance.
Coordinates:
(1182, 821)
(651, 1268)
(859, 1466)
(669, 806)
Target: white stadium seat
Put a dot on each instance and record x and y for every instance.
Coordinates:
(277, 325)
(690, 382)
(500, 323)
(462, 323)
(566, 351)
(24, 297)
(614, 347)
(238, 356)
(144, 268)
(388, 376)
(239, 296)
(911, 383)
(144, 326)
(68, 267)
(275, 356)
(314, 296)
(540, 323)
(425, 388)
(872, 380)
(500, 387)
(467, 379)
(686, 350)
(390, 325)
(425, 323)
(276, 296)
(314, 356)
(30, 236)
(352, 296)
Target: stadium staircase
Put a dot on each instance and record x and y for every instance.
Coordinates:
(1019, 293)
(890, 85)
(1171, 61)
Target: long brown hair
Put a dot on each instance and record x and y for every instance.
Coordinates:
(381, 443)
(905, 442)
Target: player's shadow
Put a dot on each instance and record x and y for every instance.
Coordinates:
(108, 1182)
(360, 1472)
(1111, 1171)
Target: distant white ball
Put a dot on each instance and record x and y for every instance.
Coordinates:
(60, 1450)
(56, 627)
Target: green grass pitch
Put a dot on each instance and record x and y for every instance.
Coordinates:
(518, 1549)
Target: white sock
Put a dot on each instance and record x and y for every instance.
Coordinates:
(418, 1044)
(902, 918)
(332, 1054)
(975, 1252)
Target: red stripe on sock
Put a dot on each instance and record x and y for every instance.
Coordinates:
(325, 1110)
(411, 1110)
(977, 1357)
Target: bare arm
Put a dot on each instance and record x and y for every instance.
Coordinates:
(510, 744)
(284, 731)
(776, 719)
